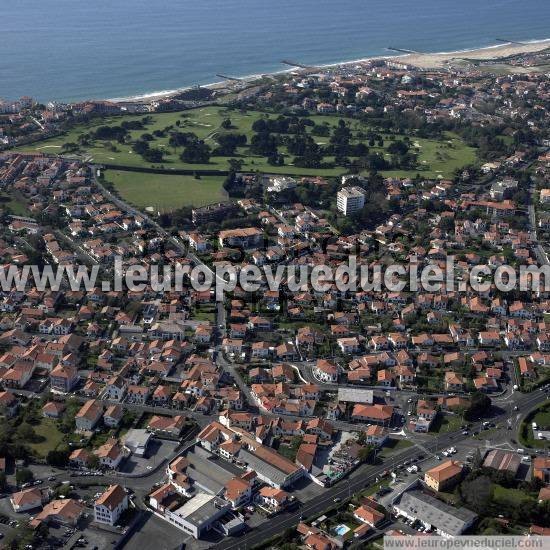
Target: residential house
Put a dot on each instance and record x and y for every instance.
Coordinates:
(444, 475)
(110, 505)
(89, 415)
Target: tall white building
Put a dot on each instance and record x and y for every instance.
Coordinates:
(110, 505)
(350, 200)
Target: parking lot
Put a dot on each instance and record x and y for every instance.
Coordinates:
(157, 450)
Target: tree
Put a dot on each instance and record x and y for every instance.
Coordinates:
(105, 133)
(226, 124)
(32, 416)
(153, 155)
(93, 462)
(69, 147)
(26, 433)
(63, 491)
(140, 147)
(398, 148)
(3, 481)
(365, 453)
(196, 153)
(479, 406)
(477, 493)
(235, 165)
(59, 459)
(181, 139)
(23, 475)
(228, 143)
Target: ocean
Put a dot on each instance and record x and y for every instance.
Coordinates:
(68, 50)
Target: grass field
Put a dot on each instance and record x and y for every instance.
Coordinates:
(14, 204)
(437, 158)
(166, 192)
(448, 423)
(541, 416)
(505, 495)
(52, 437)
(394, 445)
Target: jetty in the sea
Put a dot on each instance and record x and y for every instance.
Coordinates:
(505, 41)
(232, 78)
(401, 50)
(296, 64)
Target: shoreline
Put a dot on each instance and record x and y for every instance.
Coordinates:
(436, 60)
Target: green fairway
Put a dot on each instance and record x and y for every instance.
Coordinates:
(439, 159)
(436, 158)
(166, 192)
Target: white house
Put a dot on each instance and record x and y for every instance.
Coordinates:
(110, 454)
(110, 505)
(115, 388)
(26, 499)
(325, 371)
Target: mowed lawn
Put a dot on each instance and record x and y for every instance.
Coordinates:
(436, 158)
(166, 192)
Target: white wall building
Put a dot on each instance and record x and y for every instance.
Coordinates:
(198, 514)
(350, 200)
(110, 505)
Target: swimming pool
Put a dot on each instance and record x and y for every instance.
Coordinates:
(341, 529)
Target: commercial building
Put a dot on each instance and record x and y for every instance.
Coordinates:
(270, 467)
(435, 514)
(198, 514)
(502, 461)
(136, 441)
(355, 395)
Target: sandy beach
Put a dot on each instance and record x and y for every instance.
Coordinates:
(420, 60)
(438, 60)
